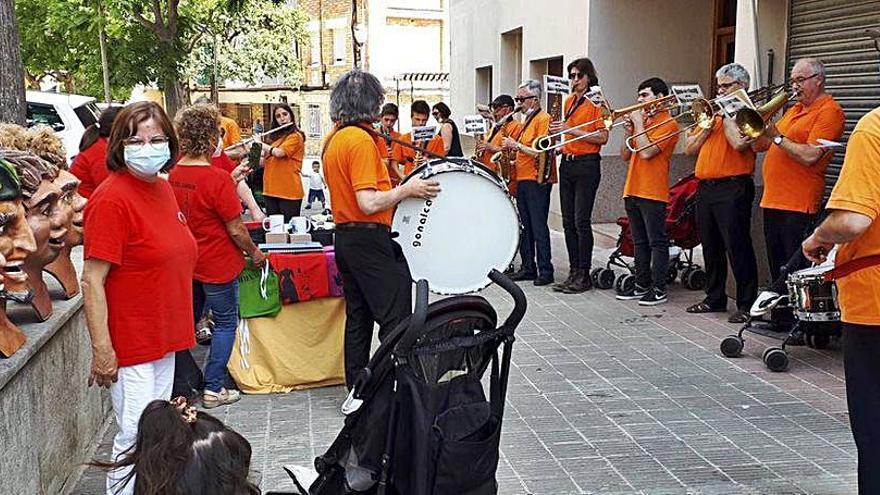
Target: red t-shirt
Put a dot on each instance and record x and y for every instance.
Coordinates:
(222, 161)
(136, 226)
(206, 196)
(90, 167)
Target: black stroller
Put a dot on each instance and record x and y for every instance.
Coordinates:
(425, 425)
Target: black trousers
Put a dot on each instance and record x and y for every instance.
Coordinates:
(861, 346)
(377, 287)
(288, 207)
(533, 203)
(724, 217)
(578, 182)
(647, 224)
(784, 231)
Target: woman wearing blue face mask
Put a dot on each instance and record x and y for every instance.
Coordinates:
(137, 280)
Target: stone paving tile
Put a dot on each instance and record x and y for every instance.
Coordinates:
(610, 398)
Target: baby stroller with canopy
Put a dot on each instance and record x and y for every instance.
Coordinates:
(809, 295)
(681, 228)
(419, 420)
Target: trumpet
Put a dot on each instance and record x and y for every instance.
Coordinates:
(752, 122)
(609, 118)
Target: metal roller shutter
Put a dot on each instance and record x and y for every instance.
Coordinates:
(834, 32)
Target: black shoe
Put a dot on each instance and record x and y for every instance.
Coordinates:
(739, 316)
(572, 275)
(637, 293)
(520, 275)
(543, 280)
(510, 270)
(580, 284)
(653, 298)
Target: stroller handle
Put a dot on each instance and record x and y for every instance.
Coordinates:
(420, 314)
(519, 300)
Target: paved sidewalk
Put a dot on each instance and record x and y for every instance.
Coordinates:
(610, 398)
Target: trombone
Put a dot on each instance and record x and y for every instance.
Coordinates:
(752, 122)
(609, 118)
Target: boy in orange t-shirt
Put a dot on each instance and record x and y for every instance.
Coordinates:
(646, 193)
(852, 223)
(375, 276)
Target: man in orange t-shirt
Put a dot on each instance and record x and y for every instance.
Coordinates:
(646, 193)
(794, 168)
(852, 223)
(532, 199)
(387, 148)
(406, 157)
(505, 125)
(725, 194)
(375, 276)
(579, 173)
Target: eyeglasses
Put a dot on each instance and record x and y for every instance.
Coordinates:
(154, 142)
(576, 75)
(519, 99)
(725, 86)
(801, 80)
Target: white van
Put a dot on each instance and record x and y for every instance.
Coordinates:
(67, 114)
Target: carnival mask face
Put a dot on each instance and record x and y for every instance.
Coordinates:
(48, 222)
(16, 244)
(74, 204)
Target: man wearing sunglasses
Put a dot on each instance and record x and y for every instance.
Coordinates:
(532, 199)
(794, 168)
(579, 173)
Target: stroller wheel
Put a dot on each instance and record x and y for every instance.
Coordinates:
(605, 279)
(817, 341)
(671, 274)
(696, 279)
(626, 284)
(775, 359)
(732, 346)
(594, 276)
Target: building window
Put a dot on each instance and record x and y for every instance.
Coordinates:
(483, 89)
(724, 31)
(314, 127)
(339, 46)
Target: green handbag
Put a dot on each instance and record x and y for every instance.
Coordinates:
(258, 290)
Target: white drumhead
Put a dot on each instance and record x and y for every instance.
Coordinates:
(456, 239)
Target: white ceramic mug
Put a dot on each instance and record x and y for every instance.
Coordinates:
(300, 225)
(274, 224)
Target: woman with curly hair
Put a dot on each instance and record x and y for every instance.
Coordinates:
(206, 196)
(282, 184)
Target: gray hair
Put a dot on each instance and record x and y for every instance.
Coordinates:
(736, 72)
(533, 86)
(356, 97)
(816, 65)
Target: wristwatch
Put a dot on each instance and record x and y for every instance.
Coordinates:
(778, 140)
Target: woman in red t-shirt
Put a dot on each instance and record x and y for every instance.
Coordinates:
(206, 196)
(137, 279)
(90, 165)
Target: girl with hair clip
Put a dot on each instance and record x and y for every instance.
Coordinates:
(90, 165)
(181, 451)
(282, 184)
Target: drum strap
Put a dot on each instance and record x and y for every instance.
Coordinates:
(852, 266)
(573, 108)
(528, 122)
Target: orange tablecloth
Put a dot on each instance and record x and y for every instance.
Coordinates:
(301, 347)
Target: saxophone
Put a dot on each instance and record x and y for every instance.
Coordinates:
(480, 140)
(503, 159)
(546, 161)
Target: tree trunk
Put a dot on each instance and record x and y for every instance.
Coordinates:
(215, 91)
(102, 42)
(12, 98)
(172, 96)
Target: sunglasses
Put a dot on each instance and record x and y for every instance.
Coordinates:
(724, 86)
(524, 98)
(576, 76)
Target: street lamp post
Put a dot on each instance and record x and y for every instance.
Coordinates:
(358, 35)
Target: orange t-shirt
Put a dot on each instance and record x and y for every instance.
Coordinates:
(281, 178)
(526, 167)
(510, 128)
(788, 185)
(649, 179)
(718, 159)
(585, 112)
(407, 156)
(352, 162)
(858, 190)
(387, 150)
(232, 132)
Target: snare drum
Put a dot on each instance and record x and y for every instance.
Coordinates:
(454, 240)
(813, 298)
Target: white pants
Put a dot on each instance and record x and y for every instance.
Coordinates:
(136, 387)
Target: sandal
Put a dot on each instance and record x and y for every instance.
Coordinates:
(703, 307)
(224, 397)
(738, 316)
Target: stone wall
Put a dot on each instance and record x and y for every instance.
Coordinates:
(49, 417)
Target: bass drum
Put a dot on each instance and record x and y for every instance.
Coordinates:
(454, 240)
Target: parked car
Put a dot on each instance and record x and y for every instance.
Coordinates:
(67, 114)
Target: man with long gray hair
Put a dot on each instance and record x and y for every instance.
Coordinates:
(375, 276)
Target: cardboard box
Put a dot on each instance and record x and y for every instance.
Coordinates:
(281, 238)
(294, 238)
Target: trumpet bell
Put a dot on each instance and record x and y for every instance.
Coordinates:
(750, 123)
(542, 143)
